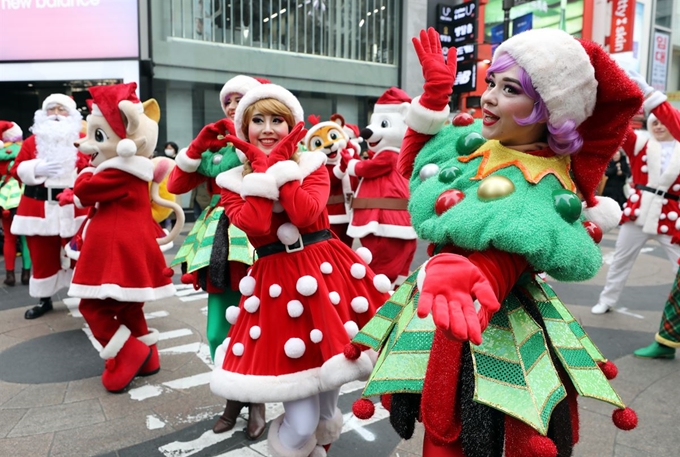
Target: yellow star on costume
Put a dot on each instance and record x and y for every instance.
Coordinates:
(533, 167)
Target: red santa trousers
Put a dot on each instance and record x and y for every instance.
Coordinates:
(391, 256)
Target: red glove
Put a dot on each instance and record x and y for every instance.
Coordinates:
(257, 158)
(226, 126)
(345, 157)
(439, 75)
(285, 148)
(451, 285)
(83, 161)
(211, 137)
(65, 197)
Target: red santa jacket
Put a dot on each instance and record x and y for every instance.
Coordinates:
(654, 212)
(39, 212)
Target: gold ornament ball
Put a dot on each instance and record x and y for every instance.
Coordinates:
(495, 187)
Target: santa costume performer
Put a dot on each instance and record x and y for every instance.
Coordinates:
(120, 265)
(306, 294)
(47, 165)
(379, 217)
(10, 195)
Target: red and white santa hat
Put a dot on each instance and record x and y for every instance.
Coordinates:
(239, 84)
(60, 99)
(262, 92)
(583, 84)
(391, 101)
(10, 131)
(105, 102)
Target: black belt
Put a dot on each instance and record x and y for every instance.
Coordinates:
(658, 192)
(307, 238)
(42, 193)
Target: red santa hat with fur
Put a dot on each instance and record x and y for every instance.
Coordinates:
(10, 131)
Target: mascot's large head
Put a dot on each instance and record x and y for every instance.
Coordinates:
(387, 127)
(119, 124)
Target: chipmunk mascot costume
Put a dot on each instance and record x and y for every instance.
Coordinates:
(120, 265)
(379, 216)
(475, 344)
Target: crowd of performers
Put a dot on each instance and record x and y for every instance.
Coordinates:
(305, 249)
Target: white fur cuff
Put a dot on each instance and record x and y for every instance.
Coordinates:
(260, 185)
(116, 343)
(351, 167)
(338, 174)
(185, 163)
(278, 449)
(606, 214)
(423, 120)
(328, 430)
(654, 100)
(285, 171)
(150, 338)
(26, 171)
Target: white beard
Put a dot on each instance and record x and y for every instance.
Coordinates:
(54, 139)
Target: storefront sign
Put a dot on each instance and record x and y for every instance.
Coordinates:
(660, 51)
(621, 32)
(466, 77)
(522, 23)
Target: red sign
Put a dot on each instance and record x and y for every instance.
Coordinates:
(621, 33)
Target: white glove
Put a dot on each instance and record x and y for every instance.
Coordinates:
(641, 82)
(48, 169)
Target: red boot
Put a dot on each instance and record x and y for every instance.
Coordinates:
(125, 356)
(153, 365)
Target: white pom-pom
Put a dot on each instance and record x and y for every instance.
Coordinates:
(255, 332)
(277, 208)
(664, 201)
(359, 304)
(644, 158)
(626, 211)
(288, 233)
(662, 216)
(316, 335)
(644, 168)
(676, 187)
(294, 348)
(326, 268)
(663, 229)
(334, 297)
(306, 285)
(237, 349)
(295, 308)
(247, 286)
(252, 304)
(606, 214)
(221, 352)
(636, 212)
(351, 328)
(274, 290)
(358, 271)
(382, 283)
(126, 148)
(365, 254)
(672, 215)
(232, 314)
(634, 198)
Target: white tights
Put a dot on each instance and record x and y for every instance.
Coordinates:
(302, 417)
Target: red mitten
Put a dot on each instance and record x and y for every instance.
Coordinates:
(257, 158)
(450, 286)
(285, 148)
(65, 197)
(211, 137)
(345, 157)
(226, 126)
(439, 75)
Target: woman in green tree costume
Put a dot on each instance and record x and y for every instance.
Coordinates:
(475, 344)
(10, 193)
(216, 252)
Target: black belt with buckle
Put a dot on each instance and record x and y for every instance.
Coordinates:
(42, 193)
(658, 192)
(303, 240)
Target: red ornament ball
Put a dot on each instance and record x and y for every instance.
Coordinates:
(187, 278)
(625, 419)
(363, 408)
(352, 351)
(462, 119)
(447, 200)
(386, 401)
(609, 369)
(168, 272)
(594, 230)
(542, 446)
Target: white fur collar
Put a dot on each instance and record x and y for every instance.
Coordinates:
(138, 166)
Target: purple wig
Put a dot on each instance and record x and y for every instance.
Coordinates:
(562, 139)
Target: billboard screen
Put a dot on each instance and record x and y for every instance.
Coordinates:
(34, 30)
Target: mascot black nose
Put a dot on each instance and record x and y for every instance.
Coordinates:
(366, 134)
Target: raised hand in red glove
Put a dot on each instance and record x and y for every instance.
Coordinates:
(287, 146)
(345, 156)
(65, 197)
(211, 137)
(257, 158)
(439, 75)
(450, 286)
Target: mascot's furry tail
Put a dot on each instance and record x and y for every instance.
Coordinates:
(162, 168)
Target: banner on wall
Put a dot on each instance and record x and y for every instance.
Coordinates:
(621, 31)
(522, 23)
(40, 30)
(660, 51)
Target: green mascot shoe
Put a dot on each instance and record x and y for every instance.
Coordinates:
(655, 351)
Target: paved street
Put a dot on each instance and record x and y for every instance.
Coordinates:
(52, 402)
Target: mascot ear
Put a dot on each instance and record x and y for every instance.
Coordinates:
(403, 109)
(152, 110)
(131, 116)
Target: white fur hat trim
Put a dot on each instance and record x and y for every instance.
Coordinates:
(606, 214)
(306, 285)
(63, 100)
(237, 349)
(294, 348)
(365, 254)
(252, 304)
(382, 283)
(274, 290)
(351, 328)
(358, 271)
(247, 286)
(255, 332)
(359, 304)
(326, 268)
(12, 133)
(239, 84)
(334, 297)
(232, 314)
(295, 308)
(565, 80)
(267, 91)
(316, 335)
(288, 233)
